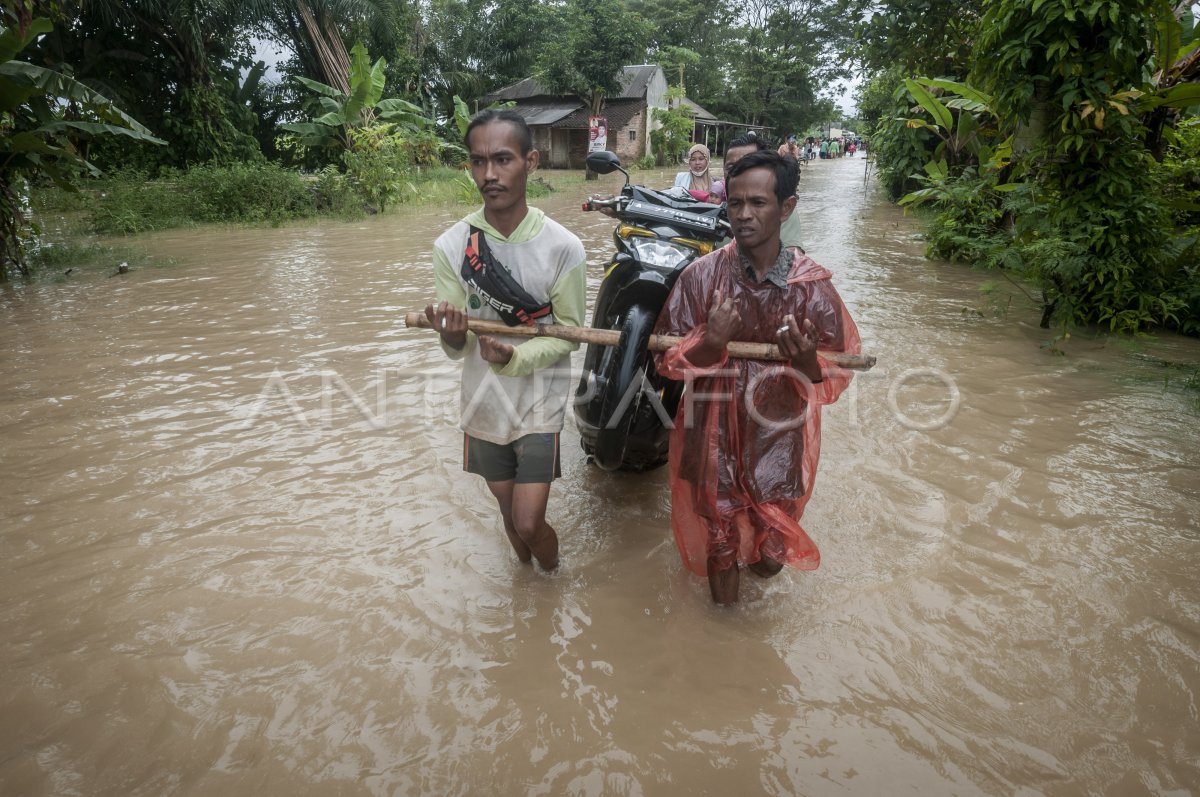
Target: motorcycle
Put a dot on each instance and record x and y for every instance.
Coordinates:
(623, 407)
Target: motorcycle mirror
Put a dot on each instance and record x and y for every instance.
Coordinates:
(605, 162)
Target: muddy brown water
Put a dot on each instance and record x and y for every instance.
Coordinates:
(240, 557)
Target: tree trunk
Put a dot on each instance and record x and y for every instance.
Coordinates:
(1028, 134)
(327, 48)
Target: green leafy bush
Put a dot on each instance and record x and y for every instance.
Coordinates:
(900, 151)
(377, 163)
(334, 193)
(968, 224)
(672, 138)
(128, 203)
(247, 192)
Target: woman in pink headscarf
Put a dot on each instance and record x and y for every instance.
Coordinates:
(696, 179)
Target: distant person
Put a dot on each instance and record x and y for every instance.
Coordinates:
(509, 262)
(790, 149)
(696, 180)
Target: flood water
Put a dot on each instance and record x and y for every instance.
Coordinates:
(240, 556)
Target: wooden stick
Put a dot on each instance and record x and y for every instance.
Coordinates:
(738, 349)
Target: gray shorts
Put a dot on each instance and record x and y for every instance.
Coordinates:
(532, 459)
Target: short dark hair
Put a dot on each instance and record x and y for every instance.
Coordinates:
(489, 115)
(787, 173)
(750, 139)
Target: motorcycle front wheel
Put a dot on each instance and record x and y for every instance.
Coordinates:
(623, 376)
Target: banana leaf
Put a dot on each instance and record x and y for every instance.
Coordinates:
(940, 113)
(961, 89)
(320, 88)
(12, 42)
(59, 85)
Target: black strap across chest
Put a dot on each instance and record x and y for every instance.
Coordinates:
(496, 285)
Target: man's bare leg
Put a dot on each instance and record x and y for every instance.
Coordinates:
(723, 583)
(771, 553)
(765, 567)
(529, 520)
(504, 497)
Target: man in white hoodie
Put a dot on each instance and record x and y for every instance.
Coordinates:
(508, 261)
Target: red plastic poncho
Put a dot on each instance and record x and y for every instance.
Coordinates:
(747, 433)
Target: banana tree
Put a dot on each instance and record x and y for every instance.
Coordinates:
(963, 139)
(361, 106)
(37, 136)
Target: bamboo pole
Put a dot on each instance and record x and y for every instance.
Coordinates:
(741, 350)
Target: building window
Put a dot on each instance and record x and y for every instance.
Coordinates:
(633, 135)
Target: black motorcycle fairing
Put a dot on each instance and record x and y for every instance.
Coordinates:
(692, 216)
(693, 206)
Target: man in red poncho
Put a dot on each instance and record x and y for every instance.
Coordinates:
(748, 432)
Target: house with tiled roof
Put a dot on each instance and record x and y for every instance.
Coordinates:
(560, 123)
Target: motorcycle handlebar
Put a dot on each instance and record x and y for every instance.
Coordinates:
(612, 206)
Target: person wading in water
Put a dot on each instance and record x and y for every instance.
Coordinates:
(510, 262)
(744, 450)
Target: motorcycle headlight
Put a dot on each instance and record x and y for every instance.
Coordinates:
(660, 253)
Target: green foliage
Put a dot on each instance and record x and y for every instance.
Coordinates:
(381, 140)
(645, 163)
(175, 66)
(588, 43)
(128, 203)
(247, 192)
(1179, 178)
(342, 113)
(874, 98)
(376, 163)
(1074, 202)
(919, 36)
(673, 137)
(783, 56)
(965, 127)
(462, 117)
(334, 193)
(466, 192)
(470, 47)
(42, 115)
(966, 137)
(201, 130)
(968, 226)
(900, 151)
(1073, 60)
(538, 187)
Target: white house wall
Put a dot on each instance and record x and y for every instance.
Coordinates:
(656, 97)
